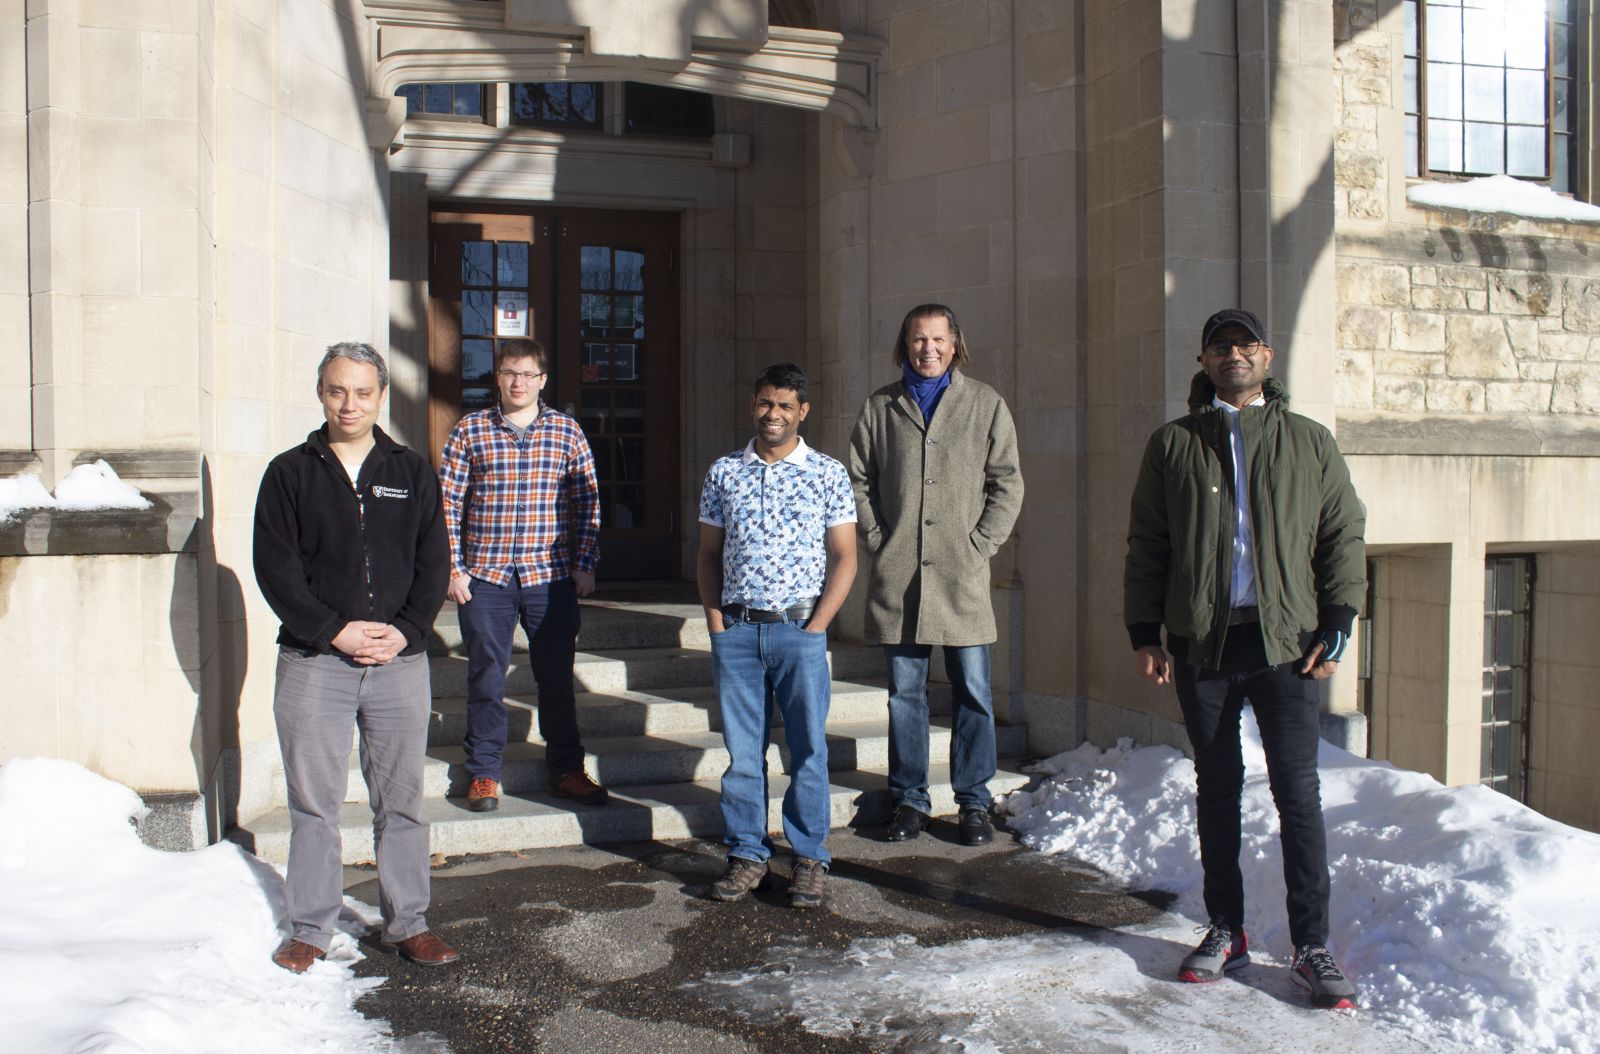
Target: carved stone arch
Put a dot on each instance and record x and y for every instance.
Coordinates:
(441, 41)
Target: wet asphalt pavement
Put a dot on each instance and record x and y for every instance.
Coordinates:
(598, 949)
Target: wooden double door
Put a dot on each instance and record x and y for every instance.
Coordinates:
(599, 290)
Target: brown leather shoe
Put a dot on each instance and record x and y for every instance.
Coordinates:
(297, 956)
(426, 949)
(579, 787)
(483, 795)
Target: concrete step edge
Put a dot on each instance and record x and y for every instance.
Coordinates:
(638, 813)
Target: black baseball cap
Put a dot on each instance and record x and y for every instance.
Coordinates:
(1233, 316)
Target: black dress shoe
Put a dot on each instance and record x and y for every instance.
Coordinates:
(907, 824)
(974, 824)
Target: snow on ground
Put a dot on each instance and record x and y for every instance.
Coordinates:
(1467, 920)
(1504, 195)
(112, 947)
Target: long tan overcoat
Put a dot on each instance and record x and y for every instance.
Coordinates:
(933, 504)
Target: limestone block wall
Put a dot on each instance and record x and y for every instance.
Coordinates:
(1565, 719)
(968, 193)
(118, 156)
(1444, 320)
(1445, 312)
(110, 679)
(16, 414)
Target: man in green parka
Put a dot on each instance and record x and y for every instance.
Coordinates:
(1245, 541)
(933, 460)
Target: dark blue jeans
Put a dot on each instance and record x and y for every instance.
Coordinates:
(1287, 712)
(972, 747)
(549, 616)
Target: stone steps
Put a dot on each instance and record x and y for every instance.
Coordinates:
(650, 722)
(637, 669)
(635, 813)
(665, 711)
(686, 756)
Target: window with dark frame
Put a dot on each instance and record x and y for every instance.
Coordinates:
(1495, 87)
(446, 100)
(645, 109)
(558, 104)
(1507, 657)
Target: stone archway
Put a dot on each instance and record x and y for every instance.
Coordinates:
(727, 48)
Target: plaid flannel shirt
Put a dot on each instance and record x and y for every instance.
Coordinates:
(525, 507)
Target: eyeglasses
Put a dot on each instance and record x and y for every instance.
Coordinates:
(525, 376)
(1245, 346)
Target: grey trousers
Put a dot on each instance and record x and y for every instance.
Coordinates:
(318, 700)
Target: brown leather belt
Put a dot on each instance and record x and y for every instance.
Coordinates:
(1242, 616)
(798, 613)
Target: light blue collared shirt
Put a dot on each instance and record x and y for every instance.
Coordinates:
(1242, 590)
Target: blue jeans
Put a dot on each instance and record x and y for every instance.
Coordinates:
(782, 663)
(972, 749)
(549, 616)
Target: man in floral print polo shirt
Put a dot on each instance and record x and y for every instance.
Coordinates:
(777, 556)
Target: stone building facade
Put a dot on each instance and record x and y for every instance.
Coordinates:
(196, 196)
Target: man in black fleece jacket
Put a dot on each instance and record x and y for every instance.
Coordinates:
(350, 553)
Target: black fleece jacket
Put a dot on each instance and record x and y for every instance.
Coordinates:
(327, 553)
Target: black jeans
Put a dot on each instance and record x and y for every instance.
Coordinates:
(1287, 712)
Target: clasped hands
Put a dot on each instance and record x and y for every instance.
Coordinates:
(370, 643)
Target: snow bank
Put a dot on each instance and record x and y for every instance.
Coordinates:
(1506, 196)
(1460, 913)
(109, 946)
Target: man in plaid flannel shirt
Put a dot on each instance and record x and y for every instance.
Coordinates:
(522, 510)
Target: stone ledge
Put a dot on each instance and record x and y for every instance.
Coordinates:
(13, 462)
(1470, 435)
(146, 464)
(169, 478)
(166, 527)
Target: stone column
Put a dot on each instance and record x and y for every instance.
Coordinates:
(55, 233)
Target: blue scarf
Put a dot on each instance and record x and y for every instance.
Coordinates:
(925, 391)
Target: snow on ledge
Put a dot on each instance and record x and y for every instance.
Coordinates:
(1506, 196)
(87, 488)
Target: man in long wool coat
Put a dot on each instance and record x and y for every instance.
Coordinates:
(933, 461)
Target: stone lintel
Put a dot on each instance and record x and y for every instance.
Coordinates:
(660, 30)
(1531, 249)
(820, 70)
(1469, 435)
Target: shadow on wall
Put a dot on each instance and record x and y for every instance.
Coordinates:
(209, 633)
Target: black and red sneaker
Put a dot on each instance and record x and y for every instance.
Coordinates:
(1315, 969)
(1219, 951)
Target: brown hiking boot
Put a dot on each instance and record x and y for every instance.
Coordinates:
(740, 878)
(805, 883)
(483, 795)
(579, 787)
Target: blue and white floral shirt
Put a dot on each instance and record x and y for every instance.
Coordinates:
(775, 520)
